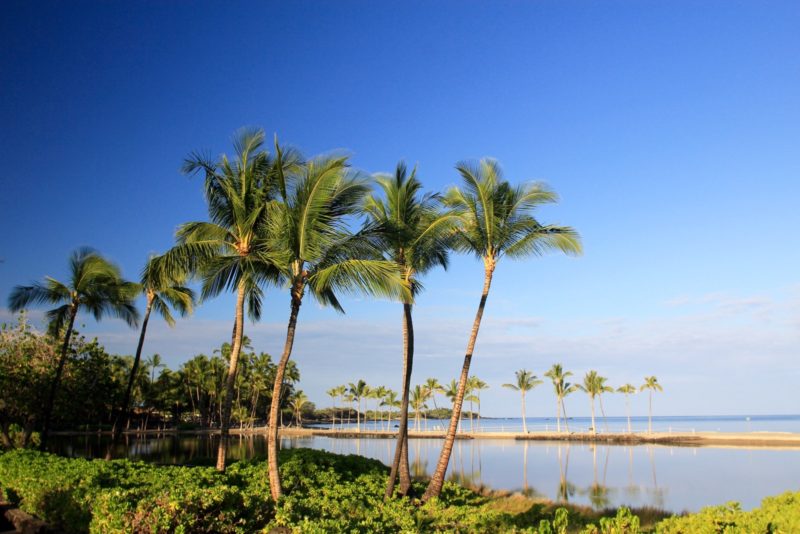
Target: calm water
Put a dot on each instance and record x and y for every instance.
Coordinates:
(674, 478)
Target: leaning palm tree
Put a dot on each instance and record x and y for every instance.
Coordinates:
(95, 285)
(316, 253)
(231, 251)
(495, 221)
(651, 384)
(526, 381)
(562, 388)
(160, 293)
(416, 236)
(627, 390)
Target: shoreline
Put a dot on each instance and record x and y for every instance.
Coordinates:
(770, 440)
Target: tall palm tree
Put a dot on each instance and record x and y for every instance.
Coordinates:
(592, 386)
(526, 381)
(651, 384)
(359, 391)
(495, 221)
(391, 401)
(627, 390)
(95, 285)
(231, 251)
(316, 253)
(416, 236)
(418, 398)
(160, 293)
(562, 388)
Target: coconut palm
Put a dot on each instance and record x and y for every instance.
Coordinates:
(495, 221)
(651, 384)
(391, 401)
(433, 387)
(593, 386)
(627, 390)
(160, 293)
(416, 237)
(299, 402)
(232, 250)
(603, 388)
(526, 381)
(378, 394)
(95, 285)
(334, 393)
(562, 388)
(359, 391)
(477, 385)
(418, 398)
(316, 253)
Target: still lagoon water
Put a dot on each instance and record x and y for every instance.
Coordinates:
(673, 478)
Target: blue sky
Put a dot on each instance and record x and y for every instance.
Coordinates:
(670, 130)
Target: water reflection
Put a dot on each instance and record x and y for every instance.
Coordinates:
(592, 474)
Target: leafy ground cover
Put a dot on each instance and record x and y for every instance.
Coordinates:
(325, 493)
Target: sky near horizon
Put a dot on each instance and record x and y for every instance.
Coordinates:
(670, 130)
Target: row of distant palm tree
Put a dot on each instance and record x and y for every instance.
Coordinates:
(593, 385)
(277, 219)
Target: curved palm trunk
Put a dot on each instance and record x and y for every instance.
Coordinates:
(524, 423)
(400, 462)
(275, 401)
(124, 414)
(437, 480)
(230, 380)
(51, 398)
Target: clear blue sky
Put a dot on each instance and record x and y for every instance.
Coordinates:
(671, 131)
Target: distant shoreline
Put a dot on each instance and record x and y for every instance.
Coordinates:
(771, 440)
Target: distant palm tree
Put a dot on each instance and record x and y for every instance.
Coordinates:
(232, 250)
(333, 393)
(416, 236)
(474, 387)
(315, 253)
(603, 388)
(418, 398)
(95, 285)
(627, 390)
(299, 402)
(591, 386)
(562, 389)
(651, 384)
(526, 381)
(378, 393)
(433, 387)
(495, 221)
(391, 401)
(359, 391)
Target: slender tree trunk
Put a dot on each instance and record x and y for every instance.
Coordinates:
(400, 462)
(275, 401)
(628, 412)
(51, 398)
(558, 414)
(437, 480)
(230, 380)
(650, 415)
(564, 410)
(124, 414)
(524, 424)
(603, 411)
(594, 428)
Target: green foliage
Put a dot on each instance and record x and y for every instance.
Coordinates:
(780, 514)
(324, 493)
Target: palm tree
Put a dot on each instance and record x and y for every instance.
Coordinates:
(526, 381)
(562, 389)
(358, 390)
(603, 388)
(651, 384)
(316, 253)
(232, 252)
(418, 398)
(416, 237)
(495, 221)
(333, 393)
(378, 394)
(299, 401)
(592, 386)
(391, 401)
(95, 285)
(160, 293)
(477, 385)
(626, 390)
(433, 387)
